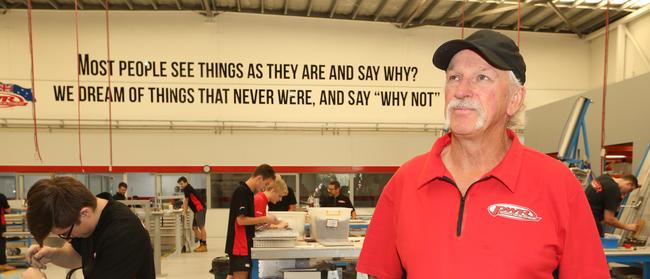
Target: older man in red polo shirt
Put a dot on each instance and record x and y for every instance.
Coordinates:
(480, 204)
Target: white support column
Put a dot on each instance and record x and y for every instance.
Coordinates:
(208, 191)
(20, 187)
(619, 70)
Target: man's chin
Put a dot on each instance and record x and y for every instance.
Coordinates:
(466, 127)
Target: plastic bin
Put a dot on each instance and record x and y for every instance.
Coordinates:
(295, 219)
(329, 223)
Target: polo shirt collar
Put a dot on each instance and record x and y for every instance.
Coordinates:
(507, 171)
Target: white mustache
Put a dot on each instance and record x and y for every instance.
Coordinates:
(465, 103)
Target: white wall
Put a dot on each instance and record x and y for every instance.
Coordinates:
(625, 115)
(621, 52)
(557, 67)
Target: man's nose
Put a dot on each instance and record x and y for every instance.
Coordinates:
(464, 89)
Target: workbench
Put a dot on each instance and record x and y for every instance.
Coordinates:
(640, 255)
(304, 250)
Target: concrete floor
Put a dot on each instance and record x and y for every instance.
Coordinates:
(187, 265)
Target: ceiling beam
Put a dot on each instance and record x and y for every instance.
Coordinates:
(629, 3)
(286, 6)
(130, 5)
(380, 9)
(569, 23)
(478, 19)
(206, 6)
(357, 7)
(536, 11)
(599, 17)
(449, 12)
(428, 10)
(53, 4)
(411, 17)
(500, 19)
(544, 21)
(404, 10)
(501, 9)
(333, 8)
(309, 7)
(469, 10)
(577, 3)
(574, 18)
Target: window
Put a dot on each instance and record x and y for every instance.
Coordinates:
(141, 185)
(315, 184)
(368, 188)
(8, 185)
(30, 179)
(223, 185)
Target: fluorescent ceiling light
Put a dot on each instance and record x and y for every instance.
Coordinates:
(614, 156)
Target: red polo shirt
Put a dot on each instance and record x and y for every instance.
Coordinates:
(524, 219)
(261, 201)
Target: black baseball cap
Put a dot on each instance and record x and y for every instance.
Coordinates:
(496, 48)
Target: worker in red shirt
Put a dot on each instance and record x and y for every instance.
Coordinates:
(274, 194)
(479, 204)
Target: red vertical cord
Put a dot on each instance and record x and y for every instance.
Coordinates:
(518, 21)
(31, 54)
(110, 89)
(602, 124)
(462, 20)
(76, 28)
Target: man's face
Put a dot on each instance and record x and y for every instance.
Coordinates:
(81, 229)
(276, 196)
(333, 191)
(476, 94)
(626, 186)
(121, 190)
(261, 183)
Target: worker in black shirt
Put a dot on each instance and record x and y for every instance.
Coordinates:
(121, 192)
(104, 238)
(336, 199)
(605, 195)
(242, 221)
(197, 205)
(4, 208)
(288, 202)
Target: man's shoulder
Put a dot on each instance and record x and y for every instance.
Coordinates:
(543, 162)
(414, 164)
(242, 189)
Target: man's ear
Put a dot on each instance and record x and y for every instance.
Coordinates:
(516, 101)
(85, 212)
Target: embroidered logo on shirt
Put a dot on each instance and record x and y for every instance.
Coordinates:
(514, 212)
(597, 186)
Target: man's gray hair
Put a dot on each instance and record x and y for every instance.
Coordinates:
(518, 120)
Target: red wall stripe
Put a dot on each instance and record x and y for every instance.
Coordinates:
(196, 169)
